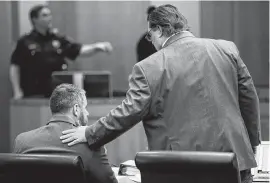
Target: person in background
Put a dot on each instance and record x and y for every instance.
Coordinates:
(43, 51)
(145, 48)
(193, 94)
(68, 106)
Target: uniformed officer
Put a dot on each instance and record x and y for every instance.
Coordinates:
(43, 51)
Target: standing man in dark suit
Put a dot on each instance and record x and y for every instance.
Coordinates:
(145, 48)
(68, 106)
(194, 94)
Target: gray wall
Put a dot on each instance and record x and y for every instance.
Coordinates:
(5, 89)
(247, 24)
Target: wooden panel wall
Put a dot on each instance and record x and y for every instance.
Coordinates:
(5, 89)
(64, 17)
(247, 24)
(251, 34)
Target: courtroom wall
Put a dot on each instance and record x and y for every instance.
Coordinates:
(247, 24)
(5, 89)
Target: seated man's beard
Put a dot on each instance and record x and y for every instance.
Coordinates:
(83, 120)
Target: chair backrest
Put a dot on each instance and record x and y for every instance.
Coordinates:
(187, 166)
(41, 168)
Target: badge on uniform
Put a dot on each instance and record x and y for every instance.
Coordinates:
(32, 46)
(56, 44)
(54, 31)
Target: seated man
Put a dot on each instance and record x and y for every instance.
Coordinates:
(68, 106)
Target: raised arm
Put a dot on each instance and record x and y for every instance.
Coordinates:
(91, 49)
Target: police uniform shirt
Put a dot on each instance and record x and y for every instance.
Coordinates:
(38, 56)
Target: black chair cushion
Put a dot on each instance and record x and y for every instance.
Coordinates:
(40, 168)
(187, 166)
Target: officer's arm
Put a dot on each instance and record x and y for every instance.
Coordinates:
(91, 49)
(72, 49)
(15, 81)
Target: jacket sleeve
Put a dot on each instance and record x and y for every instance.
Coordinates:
(248, 102)
(19, 146)
(96, 165)
(130, 112)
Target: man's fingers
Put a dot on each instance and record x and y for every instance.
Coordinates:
(73, 142)
(68, 140)
(69, 131)
(106, 46)
(66, 136)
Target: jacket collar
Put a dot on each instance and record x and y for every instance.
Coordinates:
(62, 118)
(177, 36)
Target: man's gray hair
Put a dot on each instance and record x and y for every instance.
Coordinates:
(169, 19)
(65, 96)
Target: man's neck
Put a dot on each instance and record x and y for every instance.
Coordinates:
(41, 30)
(65, 117)
(165, 41)
(71, 117)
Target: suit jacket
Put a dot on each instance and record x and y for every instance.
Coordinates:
(95, 162)
(194, 94)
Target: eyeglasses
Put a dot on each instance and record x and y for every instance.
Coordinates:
(148, 35)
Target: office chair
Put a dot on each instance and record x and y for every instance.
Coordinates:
(187, 167)
(41, 168)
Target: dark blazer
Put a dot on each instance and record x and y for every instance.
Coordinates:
(95, 162)
(194, 94)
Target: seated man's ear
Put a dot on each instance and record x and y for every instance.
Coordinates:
(76, 110)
